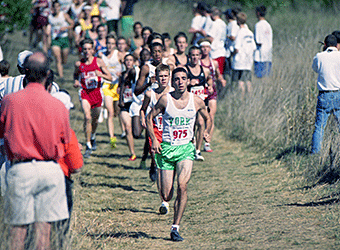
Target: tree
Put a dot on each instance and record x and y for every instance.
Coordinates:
(14, 14)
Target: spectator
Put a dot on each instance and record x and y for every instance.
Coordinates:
(243, 58)
(197, 23)
(14, 84)
(4, 69)
(112, 15)
(326, 64)
(126, 11)
(217, 37)
(264, 44)
(232, 30)
(71, 163)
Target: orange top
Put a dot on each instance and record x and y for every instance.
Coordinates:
(73, 159)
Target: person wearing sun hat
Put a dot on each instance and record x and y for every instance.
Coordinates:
(14, 84)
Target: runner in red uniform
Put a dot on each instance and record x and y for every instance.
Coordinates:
(211, 101)
(88, 75)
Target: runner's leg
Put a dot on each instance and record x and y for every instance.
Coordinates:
(183, 170)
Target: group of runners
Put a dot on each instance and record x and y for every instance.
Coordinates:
(170, 94)
(166, 107)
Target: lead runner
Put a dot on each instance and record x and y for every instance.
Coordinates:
(175, 155)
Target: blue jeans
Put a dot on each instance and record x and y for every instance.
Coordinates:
(262, 69)
(328, 102)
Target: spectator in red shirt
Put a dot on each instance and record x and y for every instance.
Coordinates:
(35, 127)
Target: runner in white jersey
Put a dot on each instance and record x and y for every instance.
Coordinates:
(60, 24)
(150, 100)
(175, 155)
(111, 96)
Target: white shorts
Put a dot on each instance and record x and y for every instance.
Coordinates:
(35, 193)
(134, 109)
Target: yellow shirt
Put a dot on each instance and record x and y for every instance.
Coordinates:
(84, 26)
(95, 10)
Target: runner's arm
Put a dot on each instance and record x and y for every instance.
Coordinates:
(219, 76)
(157, 109)
(76, 75)
(171, 62)
(209, 80)
(70, 22)
(105, 72)
(140, 86)
(201, 108)
(144, 107)
(121, 88)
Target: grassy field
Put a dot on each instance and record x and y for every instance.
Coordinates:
(257, 190)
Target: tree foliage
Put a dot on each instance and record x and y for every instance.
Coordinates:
(14, 14)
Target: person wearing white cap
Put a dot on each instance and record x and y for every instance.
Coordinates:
(14, 84)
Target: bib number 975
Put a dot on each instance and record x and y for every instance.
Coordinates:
(180, 134)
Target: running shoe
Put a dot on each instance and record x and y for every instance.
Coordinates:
(164, 208)
(88, 152)
(94, 144)
(153, 174)
(174, 234)
(142, 164)
(132, 158)
(199, 157)
(207, 148)
(123, 135)
(113, 141)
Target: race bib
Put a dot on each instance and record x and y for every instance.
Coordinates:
(179, 135)
(159, 122)
(199, 91)
(128, 95)
(91, 80)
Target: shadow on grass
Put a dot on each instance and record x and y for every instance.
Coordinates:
(299, 150)
(133, 235)
(313, 203)
(124, 187)
(127, 188)
(138, 211)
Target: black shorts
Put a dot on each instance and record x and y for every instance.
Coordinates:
(126, 107)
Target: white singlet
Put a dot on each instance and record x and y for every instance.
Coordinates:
(58, 22)
(114, 66)
(178, 124)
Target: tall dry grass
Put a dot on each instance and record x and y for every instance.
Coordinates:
(278, 117)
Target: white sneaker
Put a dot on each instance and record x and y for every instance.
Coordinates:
(164, 208)
(123, 135)
(207, 147)
(199, 157)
